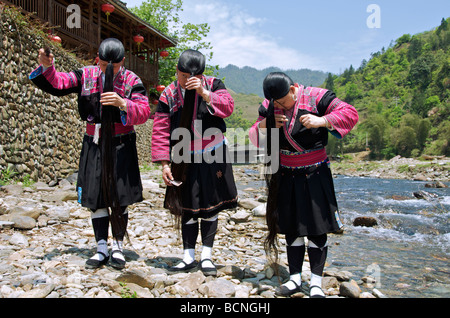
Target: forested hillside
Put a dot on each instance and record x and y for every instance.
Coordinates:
(402, 95)
(248, 80)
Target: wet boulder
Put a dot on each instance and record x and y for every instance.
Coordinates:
(367, 221)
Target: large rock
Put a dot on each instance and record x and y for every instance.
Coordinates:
(367, 221)
(248, 204)
(219, 288)
(349, 289)
(240, 216)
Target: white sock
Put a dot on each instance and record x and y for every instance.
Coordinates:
(188, 257)
(118, 246)
(206, 254)
(297, 278)
(102, 246)
(316, 280)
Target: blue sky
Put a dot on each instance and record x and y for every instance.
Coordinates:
(326, 35)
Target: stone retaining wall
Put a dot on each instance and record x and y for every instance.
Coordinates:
(40, 134)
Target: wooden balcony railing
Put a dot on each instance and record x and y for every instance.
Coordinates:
(88, 34)
(146, 71)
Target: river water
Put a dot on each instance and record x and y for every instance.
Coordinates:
(408, 252)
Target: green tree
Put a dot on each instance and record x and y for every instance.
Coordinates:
(420, 73)
(405, 38)
(376, 127)
(165, 16)
(329, 82)
(405, 140)
(422, 132)
(415, 48)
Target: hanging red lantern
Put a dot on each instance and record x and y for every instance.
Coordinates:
(108, 9)
(160, 88)
(138, 39)
(55, 38)
(164, 54)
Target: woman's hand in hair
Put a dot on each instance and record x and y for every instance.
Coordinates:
(280, 120)
(197, 84)
(113, 99)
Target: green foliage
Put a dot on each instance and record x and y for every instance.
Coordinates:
(402, 96)
(164, 15)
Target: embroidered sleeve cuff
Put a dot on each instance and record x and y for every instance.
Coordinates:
(38, 71)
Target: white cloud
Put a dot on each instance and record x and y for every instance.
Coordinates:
(238, 38)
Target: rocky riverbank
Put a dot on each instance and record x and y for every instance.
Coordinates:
(46, 237)
(427, 168)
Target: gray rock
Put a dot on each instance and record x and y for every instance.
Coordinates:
(240, 216)
(349, 289)
(219, 288)
(248, 204)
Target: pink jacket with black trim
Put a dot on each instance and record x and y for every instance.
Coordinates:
(210, 115)
(309, 142)
(87, 83)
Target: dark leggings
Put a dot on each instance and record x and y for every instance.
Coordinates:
(317, 252)
(189, 232)
(101, 227)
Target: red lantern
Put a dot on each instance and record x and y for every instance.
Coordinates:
(160, 88)
(138, 39)
(108, 9)
(155, 102)
(164, 54)
(55, 38)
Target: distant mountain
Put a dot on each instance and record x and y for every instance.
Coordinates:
(248, 80)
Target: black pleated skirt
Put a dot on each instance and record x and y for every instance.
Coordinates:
(209, 187)
(306, 202)
(129, 185)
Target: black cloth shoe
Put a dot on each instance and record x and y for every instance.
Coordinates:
(315, 296)
(117, 263)
(286, 292)
(95, 263)
(208, 271)
(185, 268)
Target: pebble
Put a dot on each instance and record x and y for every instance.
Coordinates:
(47, 259)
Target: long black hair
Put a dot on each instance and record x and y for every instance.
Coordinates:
(276, 85)
(112, 51)
(191, 62)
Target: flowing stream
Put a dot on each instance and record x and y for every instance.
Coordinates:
(408, 252)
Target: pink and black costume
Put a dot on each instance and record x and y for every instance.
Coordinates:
(208, 183)
(303, 203)
(210, 187)
(87, 83)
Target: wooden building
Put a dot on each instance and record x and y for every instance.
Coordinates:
(83, 24)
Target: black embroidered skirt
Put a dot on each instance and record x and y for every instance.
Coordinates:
(209, 187)
(129, 184)
(306, 201)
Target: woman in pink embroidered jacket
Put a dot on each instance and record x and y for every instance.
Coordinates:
(197, 105)
(111, 100)
(301, 198)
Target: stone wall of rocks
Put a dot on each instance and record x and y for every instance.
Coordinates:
(40, 135)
